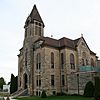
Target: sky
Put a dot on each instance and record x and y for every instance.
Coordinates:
(62, 18)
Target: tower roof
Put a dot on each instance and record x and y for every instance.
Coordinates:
(34, 15)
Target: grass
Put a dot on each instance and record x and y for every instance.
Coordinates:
(55, 98)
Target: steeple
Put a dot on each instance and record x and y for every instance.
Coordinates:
(34, 26)
(34, 15)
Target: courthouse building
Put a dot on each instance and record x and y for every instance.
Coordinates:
(54, 65)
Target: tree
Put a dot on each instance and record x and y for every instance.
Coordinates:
(13, 84)
(97, 88)
(89, 89)
(2, 82)
(16, 83)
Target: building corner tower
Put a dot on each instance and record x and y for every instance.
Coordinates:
(34, 28)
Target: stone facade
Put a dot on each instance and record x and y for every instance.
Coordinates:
(52, 65)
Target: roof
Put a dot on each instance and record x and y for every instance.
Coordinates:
(34, 15)
(66, 42)
(91, 52)
(60, 43)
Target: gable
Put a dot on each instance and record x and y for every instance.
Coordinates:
(82, 44)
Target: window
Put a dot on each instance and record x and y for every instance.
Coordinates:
(25, 32)
(52, 60)
(36, 30)
(39, 24)
(38, 61)
(26, 58)
(83, 63)
(86, 62)
(63, 80)
(36, 23)
(62, 60)
(39, 31)
(52, 80)
(37, 93)
(72, 62)
(38, 80)
(84, 59)
(92, 62)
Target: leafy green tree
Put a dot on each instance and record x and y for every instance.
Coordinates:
(89, 89)
(2, 82)
(97, 88)
(16, 83)
(13, 84)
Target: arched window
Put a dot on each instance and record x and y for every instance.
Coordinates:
(38, 80)
(83, 63)
(38, 61)
(26, 58)
(92, 62)
(84, 59)
(62, 60)
(52, 60)
(63, 80)
(37, 28)
(72, 62)
(86, 62)
(52, 80)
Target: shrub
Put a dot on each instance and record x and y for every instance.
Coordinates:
(43, 95)
(75, 95)
(97, 88)
(60, 94)
(89, 89)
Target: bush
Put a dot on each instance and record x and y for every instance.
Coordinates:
(75, 95)
(89, 89)
(61, 94)
(97, 88)
(43, 95)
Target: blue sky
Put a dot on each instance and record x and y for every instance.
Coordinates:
(62, 18)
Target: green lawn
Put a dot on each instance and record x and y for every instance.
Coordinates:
(56, 98)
